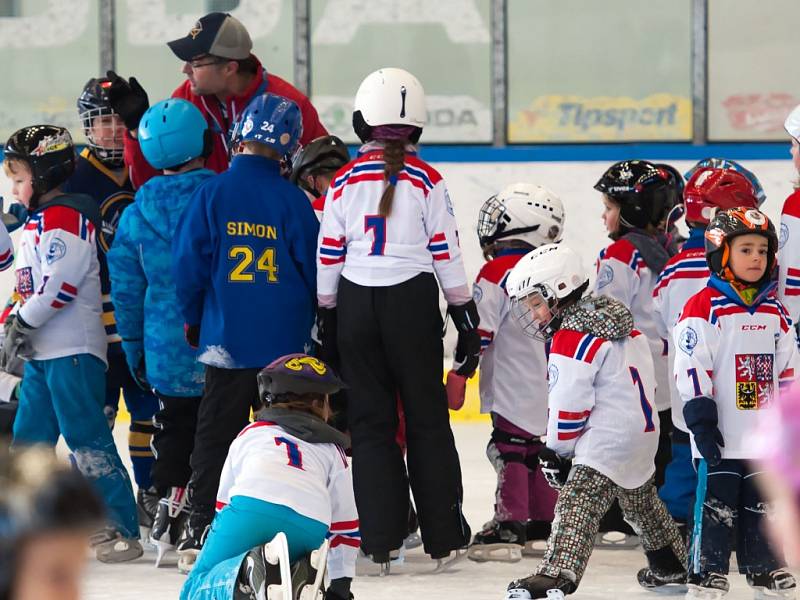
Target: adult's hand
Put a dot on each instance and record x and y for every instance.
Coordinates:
(128, 99)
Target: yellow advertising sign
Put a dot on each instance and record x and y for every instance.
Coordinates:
(603, 118)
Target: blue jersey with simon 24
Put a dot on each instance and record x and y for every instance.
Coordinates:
(244, 260)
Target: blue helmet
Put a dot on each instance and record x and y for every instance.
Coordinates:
(271, 120)
(173, 132)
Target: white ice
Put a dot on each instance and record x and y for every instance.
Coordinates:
(611, 574)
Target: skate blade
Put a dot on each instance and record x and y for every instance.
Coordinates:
(615, 540)
(534, 548)
(701, 593)
(162, 548)
(508, 553)
(319, 562)
(762, 593)
(456, 556)
(670, 589)
(276, 552)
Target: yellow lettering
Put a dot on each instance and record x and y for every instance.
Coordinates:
(231, 228)
(272, 232)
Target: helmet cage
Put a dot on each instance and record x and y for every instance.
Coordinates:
(492, 219)
(109, 156)
(523, 310)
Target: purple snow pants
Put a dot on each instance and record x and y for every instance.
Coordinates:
(522, 492)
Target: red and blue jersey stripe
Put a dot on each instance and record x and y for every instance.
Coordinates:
(438, 247)
(66, 294)
(332, 250)
(345, 533)
(571, 424)
(792, 282)
(577, 345)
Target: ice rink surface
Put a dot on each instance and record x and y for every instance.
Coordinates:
(611, 574)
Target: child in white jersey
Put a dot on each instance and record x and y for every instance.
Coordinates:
(602, 431)
(59, 331)
(735, 345)
(708, 190)
(286, 472)
(513, 383)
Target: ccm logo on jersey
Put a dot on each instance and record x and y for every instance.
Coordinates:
(754, 327)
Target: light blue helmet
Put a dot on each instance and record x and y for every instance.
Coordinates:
(271, 120)
(173, 132)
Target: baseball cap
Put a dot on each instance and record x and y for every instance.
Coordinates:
(218, 34)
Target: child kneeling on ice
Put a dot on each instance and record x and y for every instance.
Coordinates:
(286, 472)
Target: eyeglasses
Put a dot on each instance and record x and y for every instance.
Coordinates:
(196, 64)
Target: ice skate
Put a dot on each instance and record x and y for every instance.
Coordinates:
(769, 586)
(708, 586)
(146, 506)
(308, 574)
(445, 562)
(665, 571)
(413, 539)
(257, 576)
(276, 553)
(668, 582)
(169, 522)
(192, 539)
(536, 534)
(540, 586)
(111, 547)
(502, 542)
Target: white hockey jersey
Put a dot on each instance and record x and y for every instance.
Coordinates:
(736, 355)
(513, 380)
(419, 236)
(600, 405)
(58, 280)
(6, 250)
(623, 275)
(789, 256)
(314, 480)
(685, 274)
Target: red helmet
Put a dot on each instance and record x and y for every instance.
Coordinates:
(710, 190)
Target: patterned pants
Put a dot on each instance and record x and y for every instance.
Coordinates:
(583, 501)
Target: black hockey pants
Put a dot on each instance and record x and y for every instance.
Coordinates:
(173, 441)
(228, 396)
(390, 343)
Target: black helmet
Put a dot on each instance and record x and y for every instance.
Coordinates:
(296, 374)
(49, 152)
(644, 191)
(731, 223)
(324, 154)
(93, 102)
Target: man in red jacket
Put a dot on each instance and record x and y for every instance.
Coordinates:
(222, 76)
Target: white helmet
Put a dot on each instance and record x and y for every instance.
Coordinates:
(792, 123)
(522, 211)
(388, 96)
(544, 277)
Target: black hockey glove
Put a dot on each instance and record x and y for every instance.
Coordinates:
(554, 468)
(701, 419)
(128, 99)
(326, 331)
(192, 335)
(468, 347)
(17, 343)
